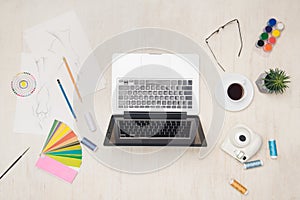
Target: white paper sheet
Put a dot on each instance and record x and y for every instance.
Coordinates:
(36, 113)
(60, 37)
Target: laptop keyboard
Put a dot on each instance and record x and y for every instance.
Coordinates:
(134, 93)
(159, 129)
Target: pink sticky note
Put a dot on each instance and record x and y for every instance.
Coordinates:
(56, 168)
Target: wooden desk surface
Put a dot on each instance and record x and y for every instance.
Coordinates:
(188, 178)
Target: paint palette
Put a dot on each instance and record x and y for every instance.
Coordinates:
(270, 35)
(62, 152)
(23, 84)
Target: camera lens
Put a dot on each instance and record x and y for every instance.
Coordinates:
(242, 138)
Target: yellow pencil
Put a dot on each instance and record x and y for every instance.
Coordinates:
(72, 78)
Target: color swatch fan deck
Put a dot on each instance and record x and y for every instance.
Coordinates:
(62, 153)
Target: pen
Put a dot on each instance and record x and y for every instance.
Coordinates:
(14, 162)
(72, 78)
(66, 98)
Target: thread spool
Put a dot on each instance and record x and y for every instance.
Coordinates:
(253, 164)
(273, 148)
(89, 144)
(239, 187)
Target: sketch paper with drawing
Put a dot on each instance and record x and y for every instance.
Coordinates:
(36, 113)
(49, 42)
(61, 36)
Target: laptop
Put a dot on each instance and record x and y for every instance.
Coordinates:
(155, 101)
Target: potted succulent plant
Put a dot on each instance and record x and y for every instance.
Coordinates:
(273, 81)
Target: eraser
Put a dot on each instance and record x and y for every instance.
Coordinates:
(90, 121)
(89, 144)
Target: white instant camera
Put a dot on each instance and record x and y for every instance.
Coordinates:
(241, 143)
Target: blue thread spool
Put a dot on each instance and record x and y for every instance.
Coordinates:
(273, 148)
(253, 164)
(89, 144)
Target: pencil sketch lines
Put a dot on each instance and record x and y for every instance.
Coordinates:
(62, 45)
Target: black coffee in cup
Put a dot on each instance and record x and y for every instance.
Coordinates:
(235, 91)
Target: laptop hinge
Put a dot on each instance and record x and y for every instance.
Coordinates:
(154, 115)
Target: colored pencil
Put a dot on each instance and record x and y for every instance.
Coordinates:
(72, 78)
(66, 98)
(14, 162)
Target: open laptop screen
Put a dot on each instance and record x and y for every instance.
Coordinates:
(155, 132)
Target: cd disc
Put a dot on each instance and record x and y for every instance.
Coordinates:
(23, 84)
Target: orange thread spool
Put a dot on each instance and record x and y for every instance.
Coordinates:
(239, 187)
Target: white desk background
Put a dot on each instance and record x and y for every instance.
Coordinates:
(188, 178)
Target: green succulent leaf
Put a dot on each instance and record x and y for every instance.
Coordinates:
(276, 80)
